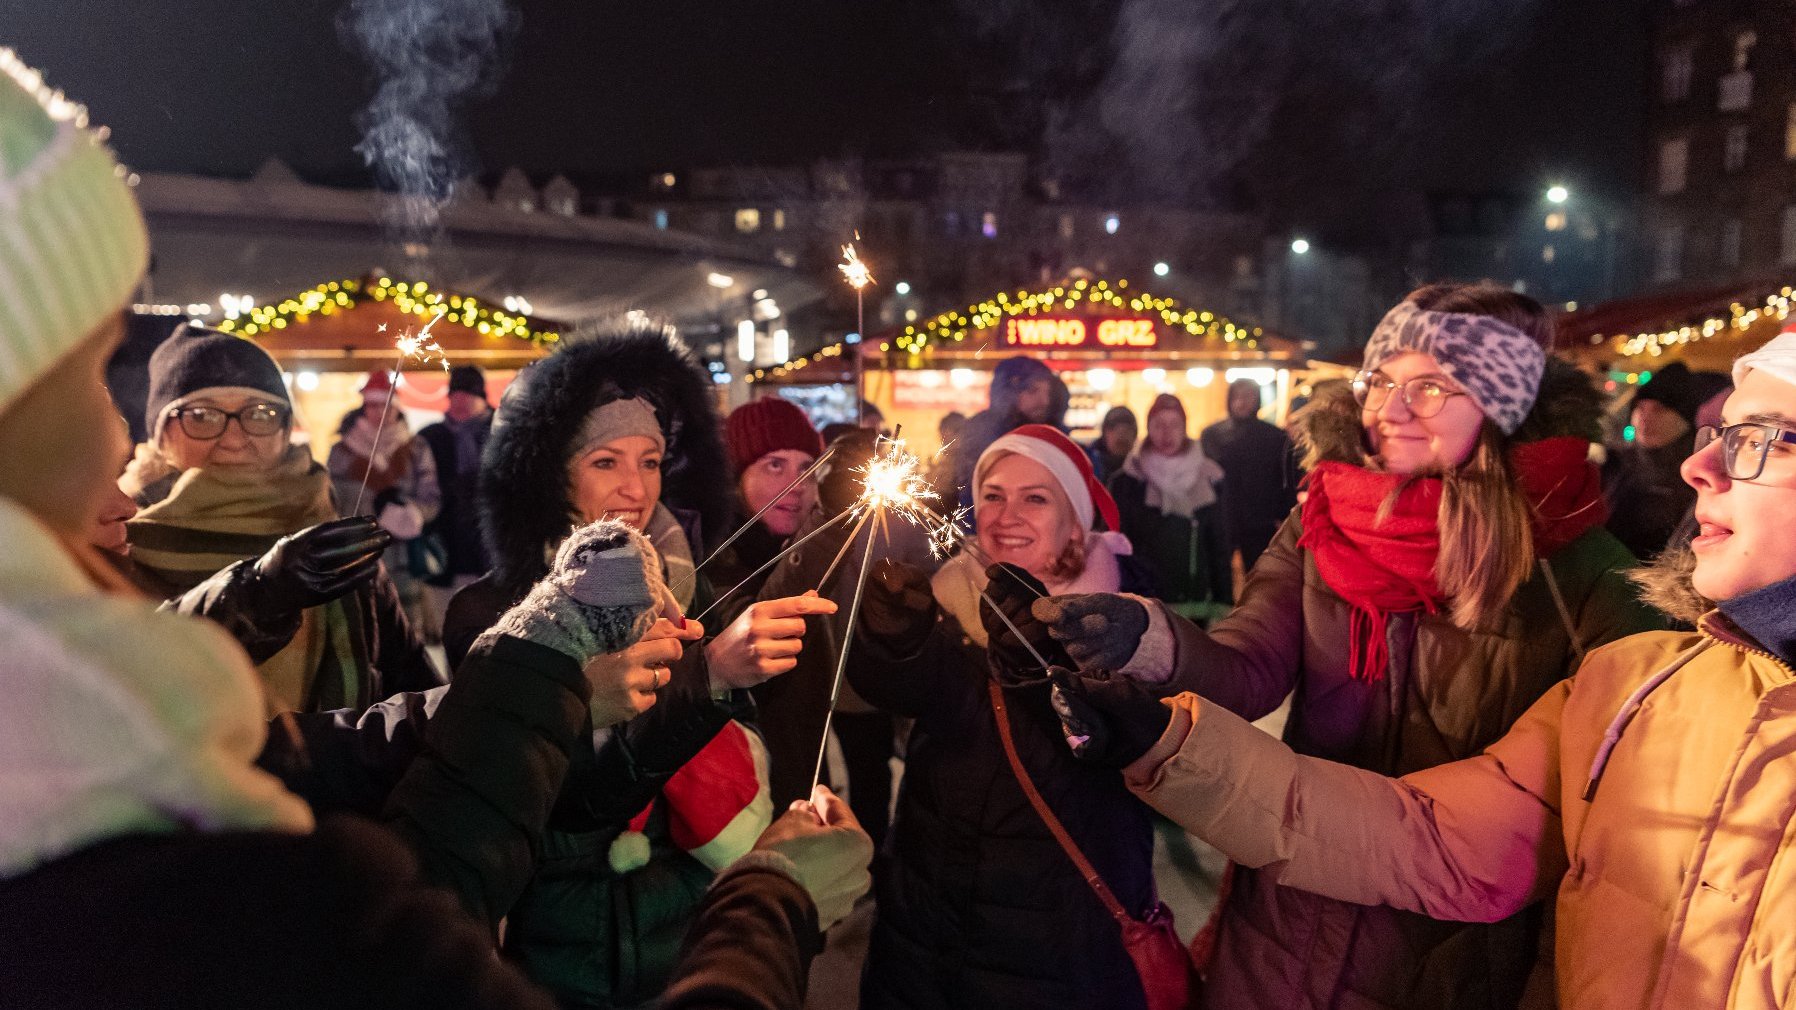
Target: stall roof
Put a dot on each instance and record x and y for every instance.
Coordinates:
(274, 234)
(1705, 327)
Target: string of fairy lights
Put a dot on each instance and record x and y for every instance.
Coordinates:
(955, 326)
(1739, 318)
(414, 298)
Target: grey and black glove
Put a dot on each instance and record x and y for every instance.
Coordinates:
(1100, 631)
(600, 595)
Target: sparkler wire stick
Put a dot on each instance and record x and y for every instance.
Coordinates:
(771, 562)
(835, 693)
(831, 570)
(771, 502)
(368, 471)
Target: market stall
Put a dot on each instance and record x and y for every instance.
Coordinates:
(1112, 344)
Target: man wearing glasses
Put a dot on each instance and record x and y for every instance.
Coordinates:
(1654, 793)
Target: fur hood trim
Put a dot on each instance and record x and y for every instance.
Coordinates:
(1665, 582)
(524, 503)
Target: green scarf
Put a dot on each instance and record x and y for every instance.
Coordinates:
(209, 519)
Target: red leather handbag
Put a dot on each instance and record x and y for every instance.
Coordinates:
(1167, 975)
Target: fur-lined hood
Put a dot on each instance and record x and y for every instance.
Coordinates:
(1328, 428)
(523, 492)
(1665, 582)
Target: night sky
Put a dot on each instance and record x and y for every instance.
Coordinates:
(1259, 103)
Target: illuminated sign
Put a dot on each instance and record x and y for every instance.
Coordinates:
(1073, 331)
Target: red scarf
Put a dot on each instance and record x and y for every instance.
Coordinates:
(1384, 568)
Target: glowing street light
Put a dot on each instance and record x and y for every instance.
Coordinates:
(1300, 246)
(902, 288)
(1558, 194)
(1162, 268)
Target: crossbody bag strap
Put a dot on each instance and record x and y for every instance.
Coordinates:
(1041, 807)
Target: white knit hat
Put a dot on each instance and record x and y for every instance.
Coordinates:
(1777, 357)
(72, 240)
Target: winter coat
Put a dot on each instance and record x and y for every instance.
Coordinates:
(1259, 482)
(1186, 553)
(1675, 878)
(979, 906)
(750, 947)
(408, 480)
(145, 862)
(457, 525)
(1447, 694)
(594, 935)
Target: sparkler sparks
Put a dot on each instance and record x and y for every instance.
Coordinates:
(857, 272)
(420, 347)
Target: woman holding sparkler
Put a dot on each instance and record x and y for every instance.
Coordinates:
(219, 483)
(1448, 566)
(979, 906)
(621, 427)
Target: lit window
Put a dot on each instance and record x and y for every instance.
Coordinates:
(1668, 255)
(661, 218)
(1111, 224)
(1067, 221)
(1676, 67)
(1790, 133)
(1548, 254)
(1556, 221)
(779, 220)
(1674, 158)
(1788, 254)
(988, 225)
(748, 219)
(1733, 157)
(1730, 242)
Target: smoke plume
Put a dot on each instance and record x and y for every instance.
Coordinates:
(430, 58)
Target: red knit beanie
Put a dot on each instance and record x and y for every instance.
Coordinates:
(768, 425)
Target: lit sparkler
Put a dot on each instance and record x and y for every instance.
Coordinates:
(858, 275)
(420, 347)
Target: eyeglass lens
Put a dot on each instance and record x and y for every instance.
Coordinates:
(210, 422)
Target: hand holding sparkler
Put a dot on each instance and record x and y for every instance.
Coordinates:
(764, 642)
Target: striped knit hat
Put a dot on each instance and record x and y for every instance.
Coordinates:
(72, 240)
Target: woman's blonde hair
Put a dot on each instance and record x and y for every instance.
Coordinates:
(1486, 531)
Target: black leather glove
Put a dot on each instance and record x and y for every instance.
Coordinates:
(317, 565)
(839, 480)
(1110, 722)
(899, 607)
(1099, 631)
(1012, 590)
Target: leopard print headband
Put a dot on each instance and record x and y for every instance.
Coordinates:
(1497, 365)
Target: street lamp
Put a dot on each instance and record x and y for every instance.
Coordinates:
(903, 288)
(1300, 246)
(1558, 194)
(1162, 268)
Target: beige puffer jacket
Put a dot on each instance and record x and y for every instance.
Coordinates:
(1656, 791)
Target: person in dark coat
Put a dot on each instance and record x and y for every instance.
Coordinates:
(1023, 391)
(621, 426)
(979, 907)
(1168, 492)
(1259, 473)
(456, 443)
(1647, 496)
(218, 483)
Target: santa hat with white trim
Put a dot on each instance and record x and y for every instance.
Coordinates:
(72, 241)
(1045, 444)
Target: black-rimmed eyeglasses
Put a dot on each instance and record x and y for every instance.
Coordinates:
(207, 423)
(1423, 396)
(1744, 447)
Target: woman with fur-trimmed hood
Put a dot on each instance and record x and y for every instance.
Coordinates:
(1448, 567)
(621, 426)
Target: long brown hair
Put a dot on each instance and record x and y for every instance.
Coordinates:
(1487, 541)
